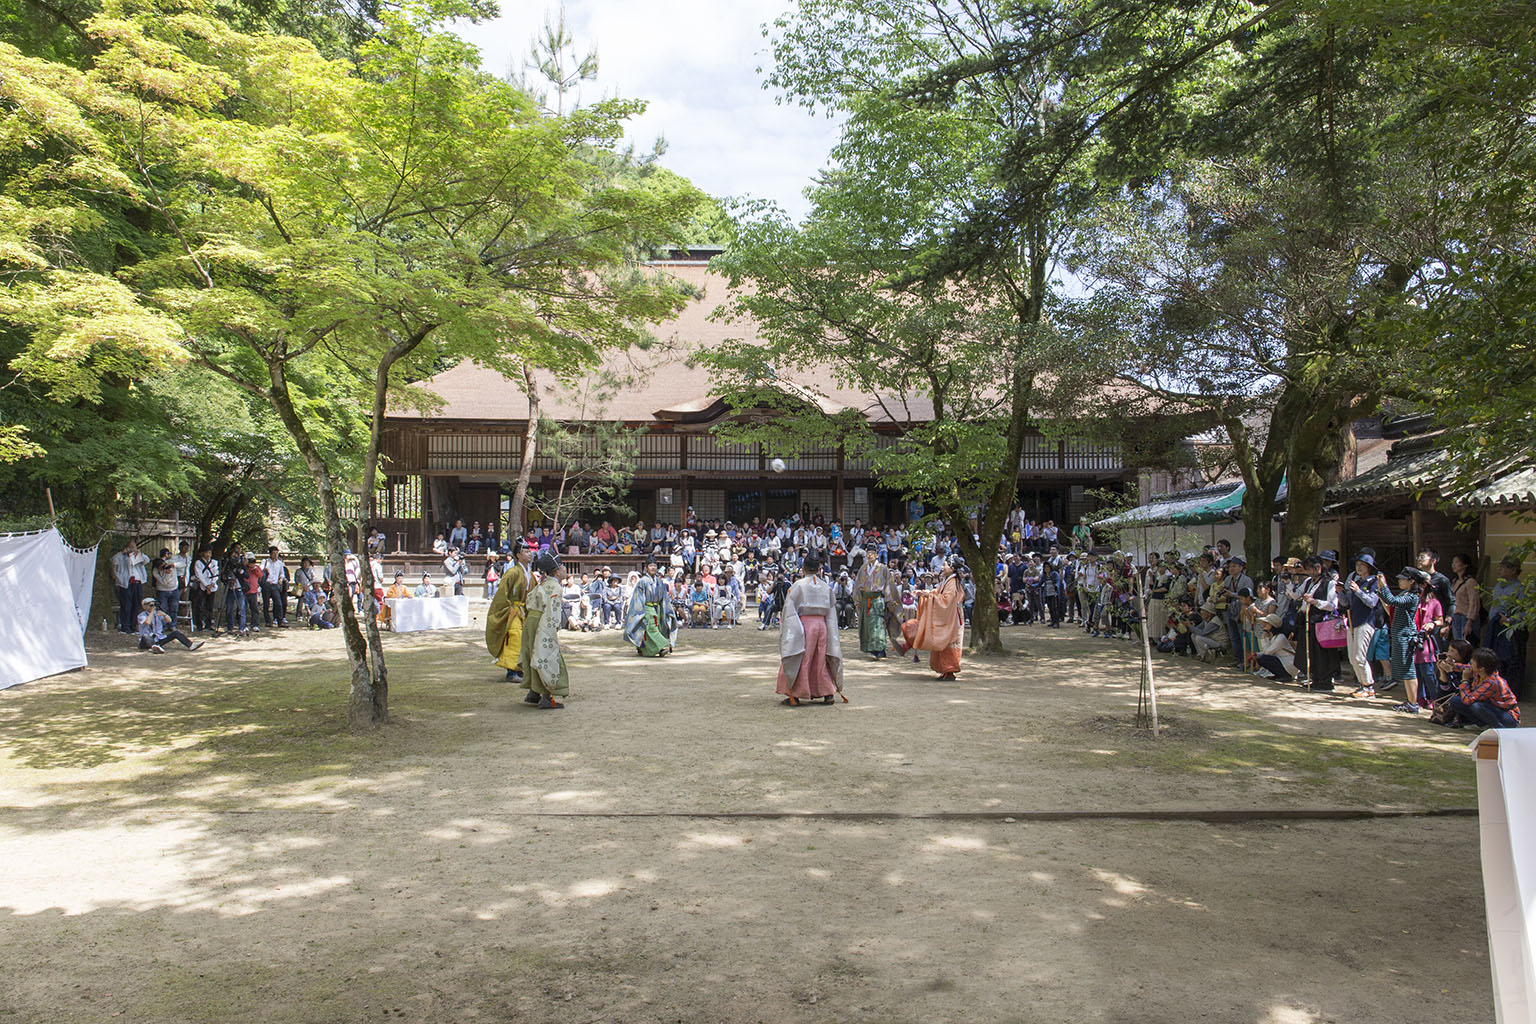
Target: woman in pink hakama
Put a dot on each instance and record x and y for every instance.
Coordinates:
(810, 653)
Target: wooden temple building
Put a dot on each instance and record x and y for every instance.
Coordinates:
(460, 458)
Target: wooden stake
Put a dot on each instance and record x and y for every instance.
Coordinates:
(1146, 651)
(52, 515)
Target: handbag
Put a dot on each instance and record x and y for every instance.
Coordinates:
(1440, 710)
(1332, 633)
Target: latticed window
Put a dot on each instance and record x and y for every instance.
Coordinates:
(474, 451)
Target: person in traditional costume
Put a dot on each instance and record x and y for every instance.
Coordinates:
(397, 589)
(938, 628)
(649, 622)
(810, 654)
(504, 621)
(544, 673)
(876, 598)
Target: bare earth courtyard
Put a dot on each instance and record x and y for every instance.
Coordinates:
(197, 838)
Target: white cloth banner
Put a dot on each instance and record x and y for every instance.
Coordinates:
(410, 614)
(37, 609)
(1506, 812)
(80, 566)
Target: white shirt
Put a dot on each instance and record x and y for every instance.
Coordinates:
(206, 574)
(276, 571)
(129, 567)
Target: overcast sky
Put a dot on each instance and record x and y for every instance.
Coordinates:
(696, 64)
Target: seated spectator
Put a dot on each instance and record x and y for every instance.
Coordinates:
(1276, 656)
(396, 589)
(1209, 635)
(156, 629)
(314, 606)
(1485, 698)
(699, 604)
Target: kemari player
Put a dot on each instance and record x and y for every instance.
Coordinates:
(504, 621)
(650, 623)
(938, 626)
(544, 673)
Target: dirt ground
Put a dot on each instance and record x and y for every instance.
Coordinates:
(196, 837)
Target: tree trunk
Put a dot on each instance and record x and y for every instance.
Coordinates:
(360, 701)
(1316, 450)
(530, 450)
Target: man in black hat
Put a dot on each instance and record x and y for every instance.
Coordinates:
(1362, 594)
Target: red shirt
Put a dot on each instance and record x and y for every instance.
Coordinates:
(1492, 690)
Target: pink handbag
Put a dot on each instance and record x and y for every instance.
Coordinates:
(1332, 633)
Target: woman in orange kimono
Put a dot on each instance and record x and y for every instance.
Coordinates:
(938, 627)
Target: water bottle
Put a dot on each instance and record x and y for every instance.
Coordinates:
(103, 625)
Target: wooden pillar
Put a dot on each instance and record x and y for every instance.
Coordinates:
(1415, 532)
(762, 497)
(837, 494)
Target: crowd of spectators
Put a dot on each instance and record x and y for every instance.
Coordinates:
(1309, 621)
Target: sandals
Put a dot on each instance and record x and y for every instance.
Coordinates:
(790, 702)
(548, 703)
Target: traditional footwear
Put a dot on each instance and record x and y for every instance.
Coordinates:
(790, 702)
(827, 699)
(548, 703)
(947, 677)
(530, 698)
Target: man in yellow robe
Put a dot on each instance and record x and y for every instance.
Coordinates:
(504, 621)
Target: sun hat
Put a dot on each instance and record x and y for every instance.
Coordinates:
(1272, 620)
(1366, 557)
(147, 600)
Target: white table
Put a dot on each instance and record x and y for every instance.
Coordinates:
(411, 614)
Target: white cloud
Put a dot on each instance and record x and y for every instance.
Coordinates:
(696, 66)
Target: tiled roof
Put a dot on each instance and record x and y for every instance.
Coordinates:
(664, 383)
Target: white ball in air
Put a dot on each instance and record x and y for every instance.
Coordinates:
(777, 465)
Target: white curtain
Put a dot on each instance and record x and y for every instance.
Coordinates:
(38, 608)
(1507, 816)
(80, 566)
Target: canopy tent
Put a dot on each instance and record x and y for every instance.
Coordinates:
(41, 625)
(1173, 522)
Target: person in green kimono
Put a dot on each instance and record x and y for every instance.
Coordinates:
(875, 597)
(504, 621)
(650, 623)
(544, 673)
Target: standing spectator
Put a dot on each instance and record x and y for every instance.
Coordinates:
(203, 583)
(454, 570)
(1231, 588)
(274, 590)
(167, 584)
(253, 581)
(1363, 594)
(130, 571)
(1466, 599)
(1506, 634)
(182, 560)
(235, 623)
